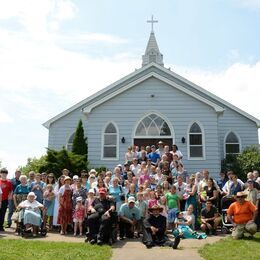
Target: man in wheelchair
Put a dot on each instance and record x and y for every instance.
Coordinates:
(101, 218)
(30, 216)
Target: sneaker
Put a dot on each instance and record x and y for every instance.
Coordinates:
(149, 245)
(214, 232)
(121, 238)
(99, 242)
(92, 241)
(2, 229)
(176, 242)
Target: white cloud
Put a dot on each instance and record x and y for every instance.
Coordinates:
(238, 84)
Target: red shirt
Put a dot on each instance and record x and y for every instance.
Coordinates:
(6, 187)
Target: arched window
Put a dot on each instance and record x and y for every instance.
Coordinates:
(152, 125)
(70, 142)
(110, 142)
(195, 142)
(232, 144)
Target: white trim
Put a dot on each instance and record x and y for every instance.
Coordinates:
(133, 74)
(88, 109)
(102, 142)
(239, 141)
(203, 142)
(172, 136)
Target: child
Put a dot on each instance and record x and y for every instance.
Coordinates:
(152, 201)
(142, 206)
(89, 200)
(163, 205)
(48, 203)
(173, 205)
(78, 216)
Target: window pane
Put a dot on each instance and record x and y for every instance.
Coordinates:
(110, 128)
(147, 121)
(196, 151)
(196, 139)
(165, 130)
(109, 152)
(232, 138)
(153, 116)
(110, 139)
(153, 130)
(195, 128)
(232, 148)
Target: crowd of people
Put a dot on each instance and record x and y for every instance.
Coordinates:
(150, 193)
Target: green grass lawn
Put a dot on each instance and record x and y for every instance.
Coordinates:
(229, 248)
(29, 249)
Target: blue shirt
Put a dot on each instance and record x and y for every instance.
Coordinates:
(154, 157)
(115, 192)
(131, 213)
(21, 189)
(15, 183)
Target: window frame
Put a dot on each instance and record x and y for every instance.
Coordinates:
(103, 142)
(202, 139)
(225, 143)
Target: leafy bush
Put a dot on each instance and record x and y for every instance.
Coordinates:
(243, 163)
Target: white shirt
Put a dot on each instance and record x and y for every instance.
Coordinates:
(228, 184)
(1, 191)
(33, 205)
(180, 190)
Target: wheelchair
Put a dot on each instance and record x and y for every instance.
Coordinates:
(21, 230)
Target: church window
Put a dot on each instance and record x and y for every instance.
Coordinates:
(232, 144)
(152, 125)
(70, 142)
(110, 142)
(195, 142)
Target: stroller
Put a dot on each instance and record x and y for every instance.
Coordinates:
(226, 201)
(21, 230)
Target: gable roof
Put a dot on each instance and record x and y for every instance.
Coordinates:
(111, 91)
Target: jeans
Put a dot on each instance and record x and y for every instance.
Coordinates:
(10, 212)
(2, 213)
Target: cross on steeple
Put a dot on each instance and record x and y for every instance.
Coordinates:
(152, 21)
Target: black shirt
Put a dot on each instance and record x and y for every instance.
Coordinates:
(209, 214)
(101, 206)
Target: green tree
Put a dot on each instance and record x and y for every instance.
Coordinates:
(244, 162)
(34, 164)
(80, 145)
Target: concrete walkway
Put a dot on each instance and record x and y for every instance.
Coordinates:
(132, 249)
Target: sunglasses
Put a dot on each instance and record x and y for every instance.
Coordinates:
(239, 197)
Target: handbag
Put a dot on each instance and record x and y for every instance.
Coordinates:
(15, 216)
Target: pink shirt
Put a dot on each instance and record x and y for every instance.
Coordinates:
(143, 178)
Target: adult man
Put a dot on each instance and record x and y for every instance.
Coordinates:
(15, 182)
(242, 214)
(100, 218)
(7, 192)
(227, 186)
(160, 149)
(154, 156)
(204, 181)
(209, 218)
(129, 215)
(155, 228)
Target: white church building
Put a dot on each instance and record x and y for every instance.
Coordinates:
(153, 103)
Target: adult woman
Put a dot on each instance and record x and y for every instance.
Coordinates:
(116, 191)
(210, 193)
(129, 155)
(65, 208)
(32, 213)
(21, 191)
(182, 172)
(56, 202)
(78, 191)
(37, 187)
(51, 179)
(235, 186)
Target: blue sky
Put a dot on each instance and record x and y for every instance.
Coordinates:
(54, 53)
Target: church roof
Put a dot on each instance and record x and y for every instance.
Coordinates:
(112, 90)
(152, 66)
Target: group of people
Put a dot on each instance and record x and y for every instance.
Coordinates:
(146, 196)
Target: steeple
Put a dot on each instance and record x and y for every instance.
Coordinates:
(152, 52)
